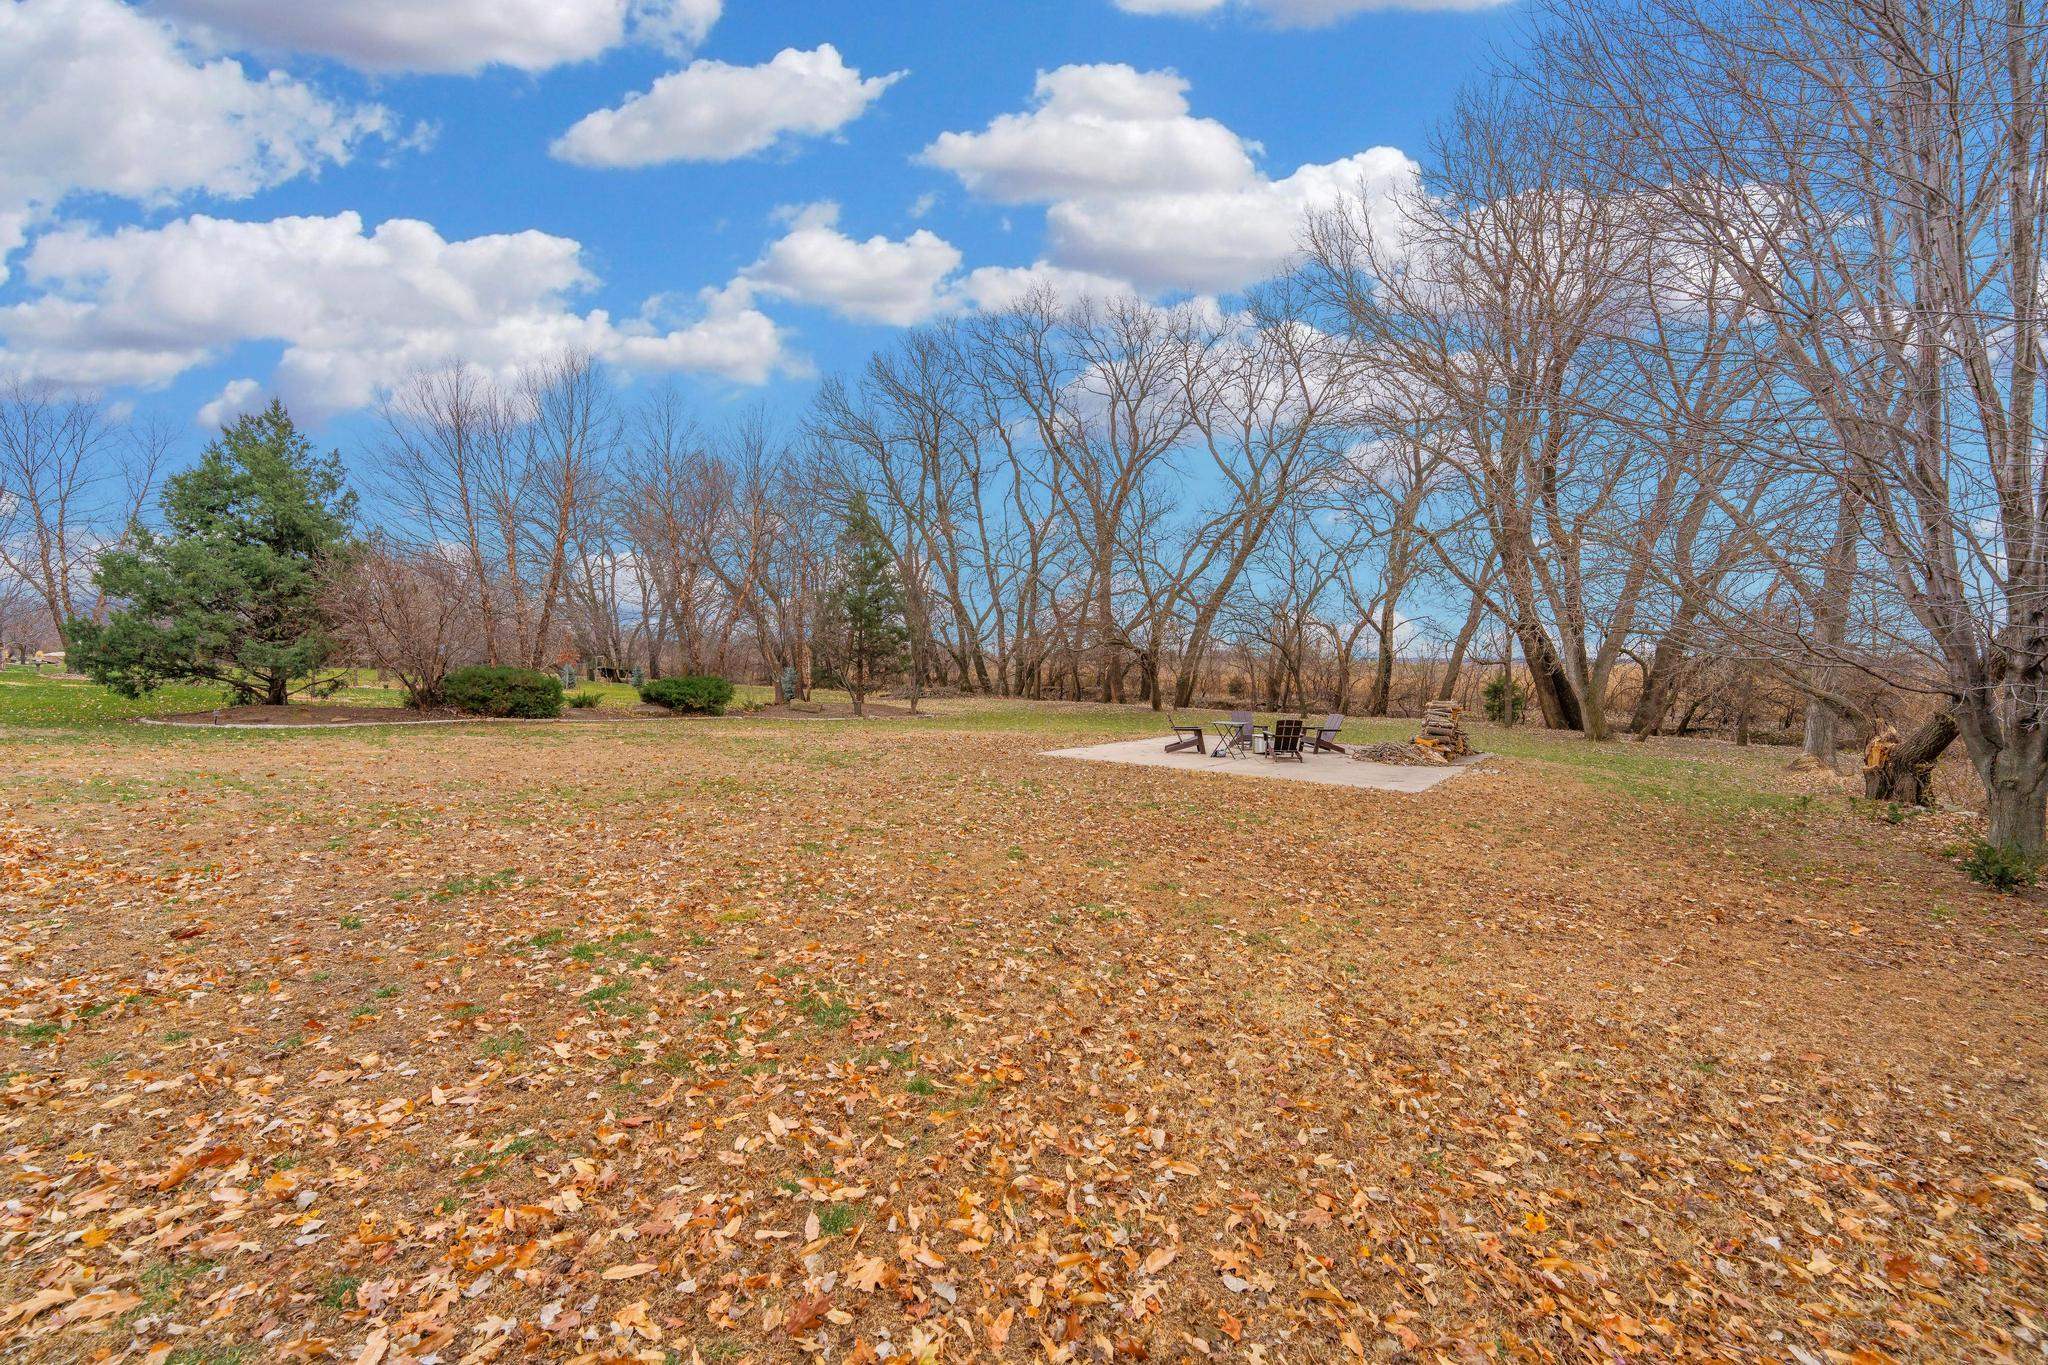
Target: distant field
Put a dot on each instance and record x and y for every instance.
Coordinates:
(1701, 772)
(730, 1039)
(50, 699)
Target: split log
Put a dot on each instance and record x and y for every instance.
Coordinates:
(1443, 729)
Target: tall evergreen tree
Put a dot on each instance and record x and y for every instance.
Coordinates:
(229, 591)
(863, 626)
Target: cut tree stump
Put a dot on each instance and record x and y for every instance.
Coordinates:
(1896, 769)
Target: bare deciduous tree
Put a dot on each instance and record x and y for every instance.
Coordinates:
(71, 484)
(411, 611)
(1873, 176)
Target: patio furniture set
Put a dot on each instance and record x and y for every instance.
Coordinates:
(1241, 737)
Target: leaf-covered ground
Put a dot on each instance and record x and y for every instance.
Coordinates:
(809, 1039)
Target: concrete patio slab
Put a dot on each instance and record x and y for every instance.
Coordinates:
(1329, 770)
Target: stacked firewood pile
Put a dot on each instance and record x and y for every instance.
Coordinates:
(1443, 730)
(1442, 739)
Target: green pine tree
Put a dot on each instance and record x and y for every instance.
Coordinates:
(864, 628)
(228, 592)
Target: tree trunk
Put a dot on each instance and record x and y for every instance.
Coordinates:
(1547, 679)
(2017, 814)
(1449, 687)
(1660, 686)
(1838, 576)
(1110, 683)
(1822, 731)
(1340, 698)
(1593, 714)
(1381, 695)
(277, 689)
(1898, 769)
(2013, 767)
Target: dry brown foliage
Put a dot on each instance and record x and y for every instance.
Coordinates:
(777, 1040)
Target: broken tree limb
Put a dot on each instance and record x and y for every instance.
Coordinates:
(1896, 769)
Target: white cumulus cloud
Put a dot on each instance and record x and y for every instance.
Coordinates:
(237, 396)
(899, 282)
(1219, 240)
(877, 280)
(1296, 13)
(13, 236)
(353, 309)
(995, 287)
(458, 36)
(1138, 188)
(714, 111)
(98, 97)
(1104, 129)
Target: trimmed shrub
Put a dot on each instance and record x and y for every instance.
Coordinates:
(499, 690)
(583, 701)
(696, 696)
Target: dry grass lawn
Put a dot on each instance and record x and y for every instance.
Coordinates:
(778, 1039)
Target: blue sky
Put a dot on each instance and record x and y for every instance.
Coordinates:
(803, 178)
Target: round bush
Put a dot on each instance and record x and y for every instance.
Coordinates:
(696, 696)
(500, 690)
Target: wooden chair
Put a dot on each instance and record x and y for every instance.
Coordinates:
(1286, 739)
(1186, 736)
(1324, 740)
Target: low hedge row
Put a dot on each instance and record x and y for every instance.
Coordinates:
(501, 690)
(696, 696)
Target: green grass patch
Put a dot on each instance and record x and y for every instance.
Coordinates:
(823, 1011)
(608, 997)
(44, 699)
(456, 887)
(340, 1291)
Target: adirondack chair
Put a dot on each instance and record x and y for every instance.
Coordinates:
(1186, 735)
(1286, 739)
(1324, 739)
